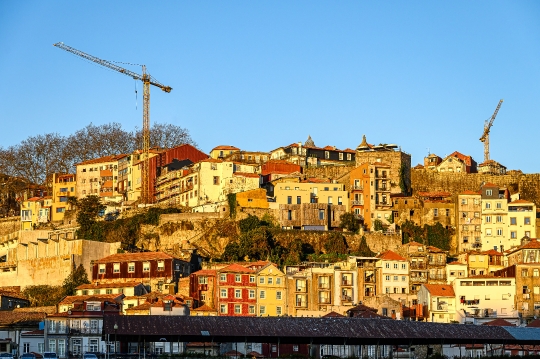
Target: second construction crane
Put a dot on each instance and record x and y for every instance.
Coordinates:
(147, 80)
(487, 127)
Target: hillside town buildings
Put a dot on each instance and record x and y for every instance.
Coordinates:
(488, 271)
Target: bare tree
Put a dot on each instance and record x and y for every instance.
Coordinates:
(98, 141)
(166, 136)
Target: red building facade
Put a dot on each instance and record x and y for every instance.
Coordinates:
(237, 295)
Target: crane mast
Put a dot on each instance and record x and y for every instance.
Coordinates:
(147, 80)
(487, 128)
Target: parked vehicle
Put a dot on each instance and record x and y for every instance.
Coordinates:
(6, 356)
(28, 356)
(90, 356)
(50, 355)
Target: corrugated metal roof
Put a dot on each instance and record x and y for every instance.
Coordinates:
(351, 331)
(525, 335)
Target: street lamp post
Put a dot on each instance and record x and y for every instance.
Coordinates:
(115, 329)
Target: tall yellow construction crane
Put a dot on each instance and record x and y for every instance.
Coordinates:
(147, 80)
(487, 127)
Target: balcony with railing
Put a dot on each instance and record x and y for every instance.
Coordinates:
(301, 303)
(357, 188)
(346, 282)
(324, 285)
(357, 203)
(437, 276)
(418, 279)
(418, 265)
(346, 298)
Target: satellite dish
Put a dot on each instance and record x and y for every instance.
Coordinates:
(69, 312)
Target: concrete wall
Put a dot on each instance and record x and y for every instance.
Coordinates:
(9, 225)
(35, 260)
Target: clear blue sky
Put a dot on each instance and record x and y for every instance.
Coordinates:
(263, 74)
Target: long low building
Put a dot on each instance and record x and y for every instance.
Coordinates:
(294, 330)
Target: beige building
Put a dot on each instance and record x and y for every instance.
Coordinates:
(393, 272)
(469, 221)
(99, 177)
(222, 151)
(310, 204)
(495, 222)
(206, 182)
(524, 265)
(438, 302)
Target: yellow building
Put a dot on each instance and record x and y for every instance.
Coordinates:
(478, 263)
(220, 152)
(255, 198)
(63, 187)
(271, 291)
(312, 190)
(34, 211)
(521, 222)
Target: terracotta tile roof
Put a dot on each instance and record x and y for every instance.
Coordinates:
(499, 323)
(246, 174)
(492, 252)
(348, 150)
(532, 244)
(440, 290)
(70, 299)
(471, 192)
(205, 308)
(392, 256)
(111, 158)
(461, 156)
(34, 332)
(434, 249)
(144, 306)
(333, 315)
(126, 257)
(212, 160)
(489, 184)
(46, 309)
(455, 262)
(205, 272)
(10, 317)
(414, 244)
(7, 293)
(519, 201)
(225, 147)
(108, 285)
(434, 194)
(316, 180)
(236, 268)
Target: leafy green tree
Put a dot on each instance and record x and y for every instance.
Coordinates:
(378, 225)
(412, 232)
(349, 222)
(43, 295)
(438, 236)
(335, 243)
(249, 223)
(363, 249)
(75, 279)
(89, 208)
